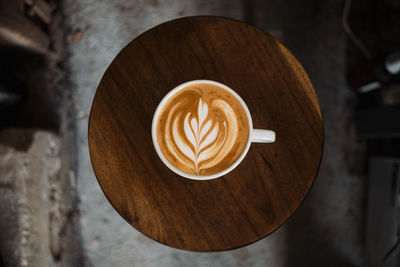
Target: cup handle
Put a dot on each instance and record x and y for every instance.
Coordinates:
(262, 136)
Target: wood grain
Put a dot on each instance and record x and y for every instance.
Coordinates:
(244, 205)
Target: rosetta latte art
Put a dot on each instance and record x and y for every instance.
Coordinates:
(200, 133)
(210, 141)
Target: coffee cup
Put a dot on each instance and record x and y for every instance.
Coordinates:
(202, 130)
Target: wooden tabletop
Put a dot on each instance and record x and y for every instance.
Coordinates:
(255, 198)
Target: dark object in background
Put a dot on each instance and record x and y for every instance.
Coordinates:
(387, 21)
(382, 229)
(379, 122)
(12, 98)
(378, 86)
(378, 73)
(375, 77)
(380, 44)
(23, 24)
(29, 55)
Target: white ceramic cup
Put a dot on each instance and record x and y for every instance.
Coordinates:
(255, 135)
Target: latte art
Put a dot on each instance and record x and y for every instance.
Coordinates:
(209, 140)
(202, 130)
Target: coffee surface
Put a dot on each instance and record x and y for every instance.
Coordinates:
(202, 129)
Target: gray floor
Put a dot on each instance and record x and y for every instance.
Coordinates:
(327, 230)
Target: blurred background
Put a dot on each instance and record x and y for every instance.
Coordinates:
(52, 56)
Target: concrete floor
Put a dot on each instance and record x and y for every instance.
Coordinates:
(327, 230)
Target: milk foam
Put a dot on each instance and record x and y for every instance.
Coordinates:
(202, 132)
(198, 129)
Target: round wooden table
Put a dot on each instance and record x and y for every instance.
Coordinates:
(255, 198)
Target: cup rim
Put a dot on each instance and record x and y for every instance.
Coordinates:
(161, 155)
